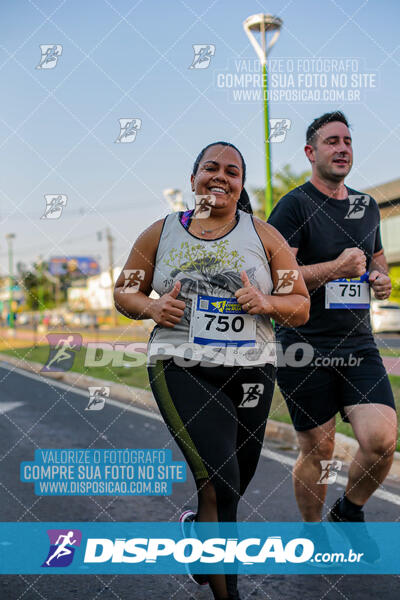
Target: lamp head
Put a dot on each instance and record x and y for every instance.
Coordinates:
(262, 24)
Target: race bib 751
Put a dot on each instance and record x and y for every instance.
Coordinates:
(348, 293)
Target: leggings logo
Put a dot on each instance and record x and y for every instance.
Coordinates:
(251, 394)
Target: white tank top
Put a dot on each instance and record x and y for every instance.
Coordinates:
(214, 329)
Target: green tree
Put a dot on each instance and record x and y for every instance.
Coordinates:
(284, 181)
(31, 279)
(394, 273)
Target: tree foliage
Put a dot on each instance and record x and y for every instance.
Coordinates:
(284, 181)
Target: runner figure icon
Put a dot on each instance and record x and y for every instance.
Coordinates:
(50, 56)
(202, 56)
(97, 397)
(251, 394)
(286, 280)
(357, 207)
(62, 550)
(63, 346)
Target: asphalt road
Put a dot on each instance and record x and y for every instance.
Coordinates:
(51, 415)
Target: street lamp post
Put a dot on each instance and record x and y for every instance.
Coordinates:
(9, 238)
(174, 198)
(110, 247)
(40, 288)
(262, 24)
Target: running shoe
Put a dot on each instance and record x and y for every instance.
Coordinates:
(359, 537)
(317, 533)
(186, 520)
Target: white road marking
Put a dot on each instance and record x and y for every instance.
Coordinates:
(288, 460)
(281, 458)
(6, 406)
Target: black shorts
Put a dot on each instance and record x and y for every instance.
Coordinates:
(314, 394)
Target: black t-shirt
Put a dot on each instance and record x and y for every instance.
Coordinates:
(321, 228)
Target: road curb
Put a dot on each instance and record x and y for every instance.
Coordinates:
(345, 447)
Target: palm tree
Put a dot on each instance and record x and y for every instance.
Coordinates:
(284, 181)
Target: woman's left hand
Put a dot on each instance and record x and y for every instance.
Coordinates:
(251, 298)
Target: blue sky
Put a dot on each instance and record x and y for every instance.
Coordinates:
(131, 59)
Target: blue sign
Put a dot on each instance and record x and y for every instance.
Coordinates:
(81, 265)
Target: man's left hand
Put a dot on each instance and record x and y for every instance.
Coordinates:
(381, 285)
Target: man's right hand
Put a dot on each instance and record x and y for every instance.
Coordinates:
(350, 263)
(167, 310)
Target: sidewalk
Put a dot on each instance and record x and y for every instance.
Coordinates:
(135, 333)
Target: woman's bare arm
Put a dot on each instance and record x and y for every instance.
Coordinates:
(289, 304)
(133, 286)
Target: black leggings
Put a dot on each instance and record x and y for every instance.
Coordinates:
(217, 415)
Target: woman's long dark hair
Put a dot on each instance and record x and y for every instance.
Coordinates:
(244, 200)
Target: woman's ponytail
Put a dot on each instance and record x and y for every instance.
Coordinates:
(244, 202)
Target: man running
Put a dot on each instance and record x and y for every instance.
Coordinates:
(334, 232)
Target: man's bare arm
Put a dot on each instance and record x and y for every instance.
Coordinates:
(350, 263)
(378, 276)
(379, 263)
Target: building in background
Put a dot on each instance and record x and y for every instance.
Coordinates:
(95, 295)
(387, 196)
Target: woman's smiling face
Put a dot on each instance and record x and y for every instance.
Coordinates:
(220, 173)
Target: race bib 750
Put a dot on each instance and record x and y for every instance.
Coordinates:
(221, 322)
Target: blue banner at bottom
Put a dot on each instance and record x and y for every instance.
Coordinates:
(157, 548)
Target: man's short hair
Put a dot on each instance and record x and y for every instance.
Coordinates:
(311, 136)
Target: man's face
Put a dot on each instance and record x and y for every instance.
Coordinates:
(331, 156)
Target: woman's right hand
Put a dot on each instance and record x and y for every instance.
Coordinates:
(167, 311)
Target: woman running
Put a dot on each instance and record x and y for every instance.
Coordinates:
(211, 354)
